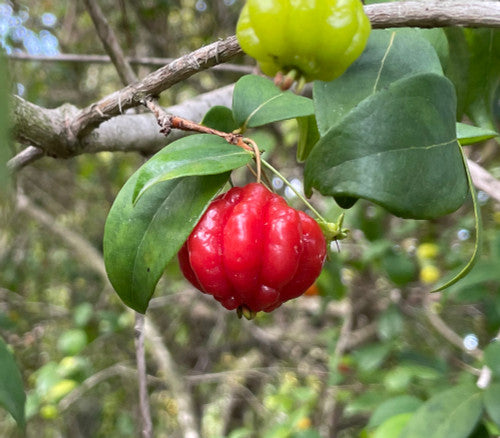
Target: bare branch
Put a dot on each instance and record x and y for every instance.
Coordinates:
(446, 331)
(147, 424)
(153, 84)
(484, 180)
(177, 384)
(110, 43)
(104, 59)
(434, 14)
(25, 157)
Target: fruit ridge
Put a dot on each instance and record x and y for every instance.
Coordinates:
(250, 250)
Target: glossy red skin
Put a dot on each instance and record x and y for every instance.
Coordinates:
(251, 249)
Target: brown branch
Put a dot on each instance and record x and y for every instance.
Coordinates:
(110, 43)
(153, 84)
(434, 14)
(484, 180)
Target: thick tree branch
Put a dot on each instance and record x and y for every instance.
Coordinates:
(434, 14)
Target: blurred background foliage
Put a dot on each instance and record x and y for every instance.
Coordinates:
(285, 374)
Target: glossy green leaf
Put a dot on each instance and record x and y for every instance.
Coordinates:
(12, 396)
(492, 402)
(492, 357)
(452, 413)
(257, 101)
(308, 136)
(140, 240)
(388, 57)
(393, 426)
(221, 118)
(392, 407)
(468, 134)
(201, 154)
(412, 166)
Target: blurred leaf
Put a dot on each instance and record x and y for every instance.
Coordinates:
(390, 323)
(388, 57)
(72, 342)
(457, 67)
(400, 267)
(5, 151)
(221, 118)
(12, 396)
(140, 240)
(484, 75)
(411, 166)
(392, 427)
(492, 402)
(468, 134)
(371, 357)
(394, 406)
(452, 413)
(201, 154)
(310, 433)
(492, 357)
(257, 101)
(308, 136)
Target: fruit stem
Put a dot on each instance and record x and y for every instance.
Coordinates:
(294, 190)
(257, 157)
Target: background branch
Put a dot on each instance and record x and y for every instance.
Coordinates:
(110, 42)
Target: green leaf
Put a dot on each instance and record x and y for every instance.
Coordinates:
(492, 402)
(308, 136)
(140, 240)
(468, 134)
(412, 166)
(457, 67)
(200, 154)
(452, 413)
(388, 57)
(257, 101)
(492, 357)
(484, 75)
(392, 427)
(221, 118)
(392, 407)
(478, 234)
(12, 396)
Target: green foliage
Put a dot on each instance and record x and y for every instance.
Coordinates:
(5, 151)
(12, 396)
(136, 246)
(451, 413)
(183, 158)
(257, 101)
(361, 156)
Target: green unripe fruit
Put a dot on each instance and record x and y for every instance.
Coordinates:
(318, 38)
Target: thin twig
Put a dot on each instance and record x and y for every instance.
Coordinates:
(104, 59)
(127, 75)
(25, 157)
(147, 424)
(110, 43)
(446, 331)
